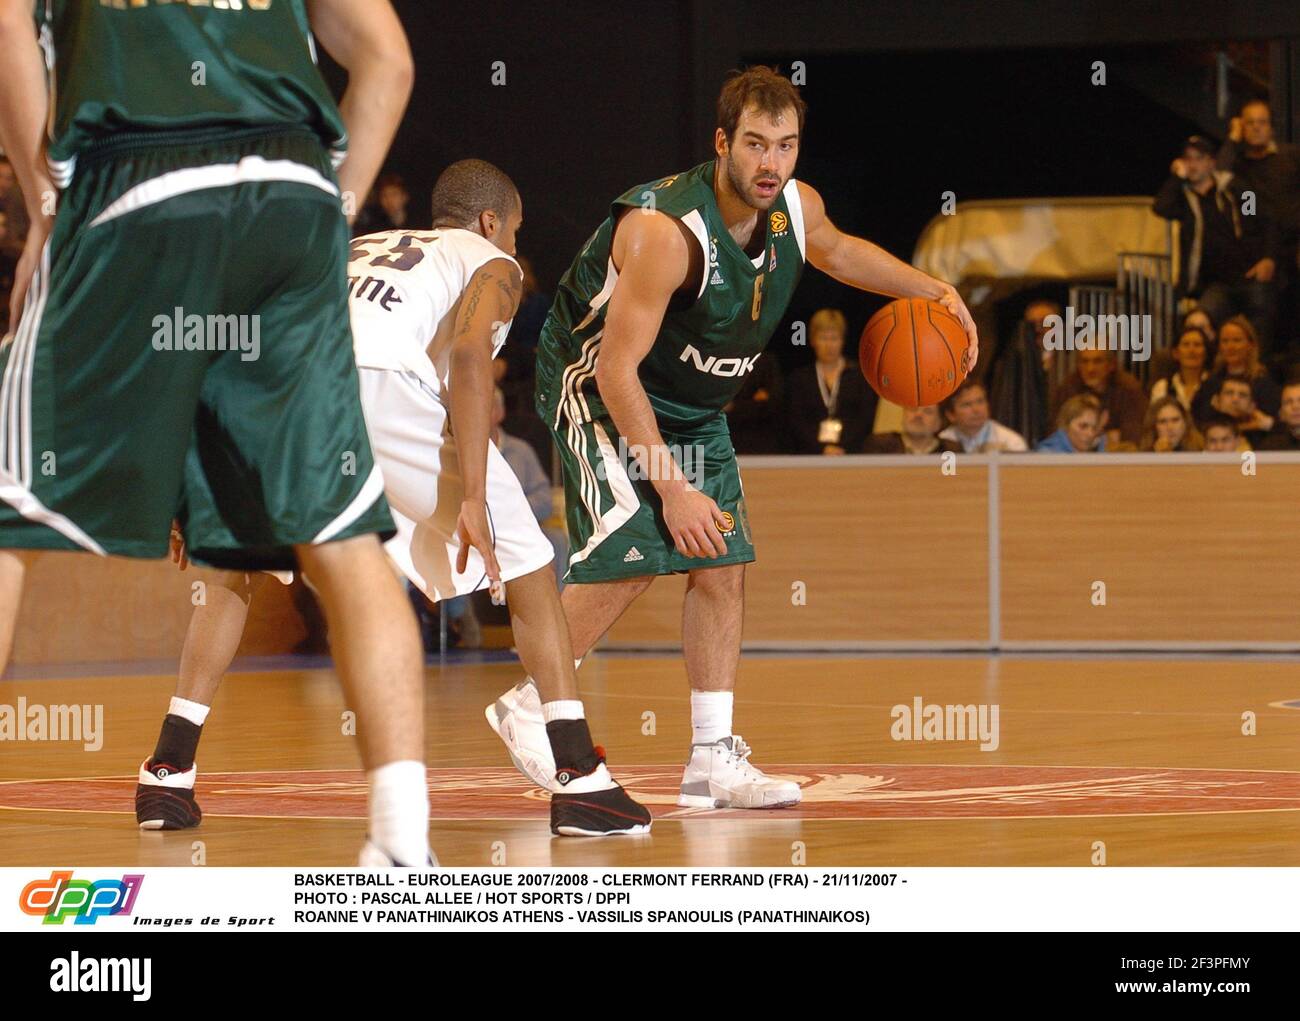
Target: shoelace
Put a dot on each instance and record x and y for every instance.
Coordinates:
(740, 754)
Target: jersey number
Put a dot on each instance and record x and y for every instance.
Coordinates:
(757, 307)
(404, 256)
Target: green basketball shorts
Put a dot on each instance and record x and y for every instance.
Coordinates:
(184, 352)
(615, 517)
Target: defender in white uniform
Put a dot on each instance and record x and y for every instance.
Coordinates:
(405, 287)
(430, 310)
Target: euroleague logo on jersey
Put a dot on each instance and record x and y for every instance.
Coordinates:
(779, 223)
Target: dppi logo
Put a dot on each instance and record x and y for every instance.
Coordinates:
(61, 896)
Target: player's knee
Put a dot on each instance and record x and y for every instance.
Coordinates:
(728, 580)
(639, 585)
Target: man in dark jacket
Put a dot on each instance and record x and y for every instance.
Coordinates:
(1228, 259)
(1270, 170)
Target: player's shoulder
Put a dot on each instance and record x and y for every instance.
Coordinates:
(674, 194)
(806, 195)
(651, 235)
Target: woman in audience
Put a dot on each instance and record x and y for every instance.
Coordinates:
(1191, 355)
(1238, 358)
(1078, 427)
(830, 405)
(1169, 427)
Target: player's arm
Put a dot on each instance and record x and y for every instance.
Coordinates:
(24, 107)
(653, 260)
(858, 263)
(366, 38)
(492, 298)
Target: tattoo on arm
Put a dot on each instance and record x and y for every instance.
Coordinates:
(471, 306)
(508, 294)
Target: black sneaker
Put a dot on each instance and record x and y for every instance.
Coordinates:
(164, 797)
(593, 805)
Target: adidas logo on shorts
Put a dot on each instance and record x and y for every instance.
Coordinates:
(633, 555)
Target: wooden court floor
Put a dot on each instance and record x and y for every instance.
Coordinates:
(1142, 761)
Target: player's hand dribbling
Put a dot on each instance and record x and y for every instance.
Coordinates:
(695, 521)
(472, 530)
(951, 300)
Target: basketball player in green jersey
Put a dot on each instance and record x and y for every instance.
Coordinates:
(655, 326)
(196, 147)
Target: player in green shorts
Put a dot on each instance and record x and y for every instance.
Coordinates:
(180, 345)
(654, 328)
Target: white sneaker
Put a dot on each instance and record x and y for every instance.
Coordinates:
(516, 718)
(375, 857)
(720, 775)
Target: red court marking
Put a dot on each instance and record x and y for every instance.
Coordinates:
(870, 791)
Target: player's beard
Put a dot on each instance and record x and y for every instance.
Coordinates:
(745, 189)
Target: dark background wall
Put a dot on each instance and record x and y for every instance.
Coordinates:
(985, 99)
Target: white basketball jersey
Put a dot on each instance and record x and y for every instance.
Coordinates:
(402, 284)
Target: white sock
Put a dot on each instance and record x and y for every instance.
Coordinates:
(399, 811)
(195, 712)
(563, 709)
(710, 716)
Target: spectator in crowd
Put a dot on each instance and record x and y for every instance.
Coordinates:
(389, 208)
(1238, 358)
(1285, 434)
(1122, 401)
(1271, 170)
(1190, 369)
(1198, 319)
(1221, 436)
(1235, 400)
(1036, 314)
(967, 412)
(1228, 260)
(1169, 427)
(830, 405)
(919, 435)
(1078, 427)
(1018, 389)
(755, 415)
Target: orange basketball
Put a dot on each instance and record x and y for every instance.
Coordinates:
(914, 352)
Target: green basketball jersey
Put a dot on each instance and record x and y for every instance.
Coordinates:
(119, 66)
(706, 346)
